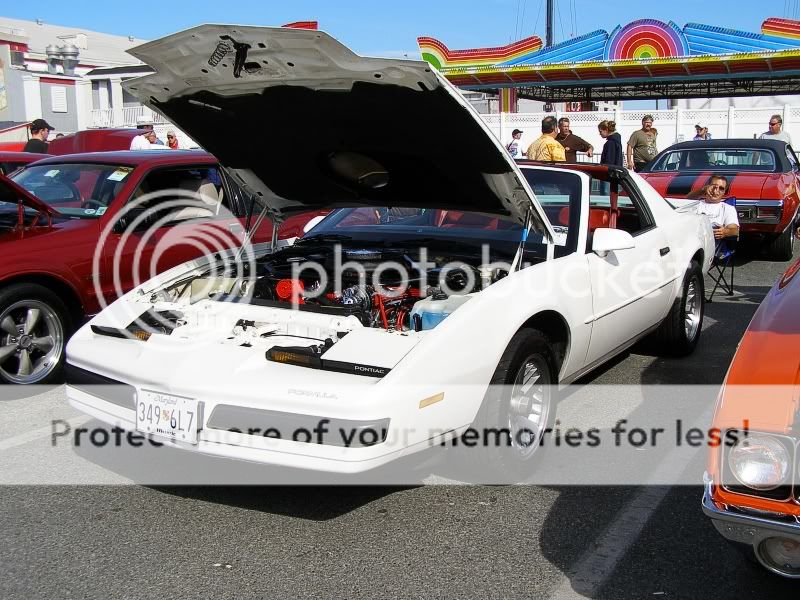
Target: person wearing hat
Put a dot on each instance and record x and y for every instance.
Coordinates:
(701, 130)
(40, 131)
(513, 145)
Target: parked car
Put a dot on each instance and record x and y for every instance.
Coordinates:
(513, 291)
(47, 272)
(11, 161)
(763, 176)
(94, 140)
(752, 492)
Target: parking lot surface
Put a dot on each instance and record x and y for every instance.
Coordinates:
(422, 541)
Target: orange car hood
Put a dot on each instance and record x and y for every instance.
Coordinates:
(763, 383)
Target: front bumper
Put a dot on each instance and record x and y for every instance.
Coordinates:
(751, 530)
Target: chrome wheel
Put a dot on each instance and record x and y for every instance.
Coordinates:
(31, 341)
(692, 309)
(529, 406)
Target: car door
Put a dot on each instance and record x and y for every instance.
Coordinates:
(183, 213)
(630, 291)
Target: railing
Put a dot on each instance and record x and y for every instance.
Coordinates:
(126, 117)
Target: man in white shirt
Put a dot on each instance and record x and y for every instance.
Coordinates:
(723, 216)
(146, 141)
(776, 131)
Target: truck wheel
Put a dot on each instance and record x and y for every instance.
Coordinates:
(782, 247)
(517, 410)
(34, 326)
(680, 331)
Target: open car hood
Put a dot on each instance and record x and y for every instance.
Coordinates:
(306, 124)
(11, 192)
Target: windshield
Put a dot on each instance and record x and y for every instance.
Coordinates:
(559, 192)
(717, 159)
(80, 190)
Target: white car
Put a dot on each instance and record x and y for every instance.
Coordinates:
(446, 292)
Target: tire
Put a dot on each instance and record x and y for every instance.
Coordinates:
(680, 331)
(781, 247)
(513, 459)
(32, 343)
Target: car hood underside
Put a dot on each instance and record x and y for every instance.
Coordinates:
(305, 124)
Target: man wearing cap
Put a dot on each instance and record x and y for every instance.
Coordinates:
(701, 130)
(513, 145)
(40, 131)
(147, 139)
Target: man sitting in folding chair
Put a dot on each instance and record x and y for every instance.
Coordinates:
(721, 211)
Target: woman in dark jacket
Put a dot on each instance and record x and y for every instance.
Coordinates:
(612, 150)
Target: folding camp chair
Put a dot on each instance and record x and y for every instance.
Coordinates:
(723, 267)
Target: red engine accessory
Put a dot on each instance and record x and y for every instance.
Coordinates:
(291, 290)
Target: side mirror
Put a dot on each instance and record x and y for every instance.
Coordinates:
(609, 240)
(312, 223)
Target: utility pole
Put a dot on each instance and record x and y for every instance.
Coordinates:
(549, 35)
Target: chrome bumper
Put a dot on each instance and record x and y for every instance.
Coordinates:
(744, 528)
(747, 211)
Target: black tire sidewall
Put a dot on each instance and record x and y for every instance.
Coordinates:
(504, 462)
(33, 291)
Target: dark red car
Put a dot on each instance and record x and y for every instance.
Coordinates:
(52, 216)
(11, 161)
(762, 175)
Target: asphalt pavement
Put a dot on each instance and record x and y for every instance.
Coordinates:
(421, 541)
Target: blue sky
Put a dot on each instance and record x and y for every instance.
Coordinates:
(390, 28)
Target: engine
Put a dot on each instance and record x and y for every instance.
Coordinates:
(384, 288)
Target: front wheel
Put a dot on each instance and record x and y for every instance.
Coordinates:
(680, 331)
(519, 408)
(34, 325)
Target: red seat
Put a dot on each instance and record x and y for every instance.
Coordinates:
(598, 218)
(563, 216)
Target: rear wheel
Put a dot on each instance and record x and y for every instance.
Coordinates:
(782, 247)
(34, 326)
(518, 409)
(680, 331)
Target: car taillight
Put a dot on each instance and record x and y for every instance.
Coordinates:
(770, 212)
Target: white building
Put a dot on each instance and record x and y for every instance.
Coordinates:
(70, 77)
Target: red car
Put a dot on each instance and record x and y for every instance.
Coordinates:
(762, 175)
(11, 161)
(52, 216)
(752, 490)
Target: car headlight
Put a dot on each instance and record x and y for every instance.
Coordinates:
(760, 462)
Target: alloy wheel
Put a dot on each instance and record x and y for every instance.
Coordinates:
(529, 406)
(31, 341)
(692, 309)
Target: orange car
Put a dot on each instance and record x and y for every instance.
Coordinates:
(752, 491)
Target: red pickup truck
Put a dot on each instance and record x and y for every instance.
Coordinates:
(52, 217)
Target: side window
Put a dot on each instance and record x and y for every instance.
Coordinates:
(632, 215)
(792, 159)
(184, 193)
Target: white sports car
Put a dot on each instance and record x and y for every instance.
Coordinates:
(450, 290)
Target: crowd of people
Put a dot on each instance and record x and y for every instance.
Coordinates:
(557, 143)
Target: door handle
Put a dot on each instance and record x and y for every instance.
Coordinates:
(664, 251)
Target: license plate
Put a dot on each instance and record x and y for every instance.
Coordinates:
(165, 415)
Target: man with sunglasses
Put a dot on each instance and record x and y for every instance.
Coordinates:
(723, 216)
(776, 131)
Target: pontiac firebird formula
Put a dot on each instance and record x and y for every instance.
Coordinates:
(449, 288)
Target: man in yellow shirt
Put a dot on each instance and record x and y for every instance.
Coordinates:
(546, 148)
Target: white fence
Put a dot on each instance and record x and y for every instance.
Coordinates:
(673, 125)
